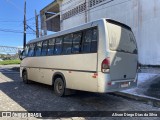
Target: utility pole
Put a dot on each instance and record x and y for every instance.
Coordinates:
(24, 35)
(37, 27)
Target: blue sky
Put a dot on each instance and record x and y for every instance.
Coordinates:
(11, 18)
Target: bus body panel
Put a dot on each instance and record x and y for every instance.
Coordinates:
(123, 49)
(78, 70)
(85, 81)
(103, 51)
(104, 80)
(123, 65)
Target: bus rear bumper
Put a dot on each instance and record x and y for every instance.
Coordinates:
(118, 85)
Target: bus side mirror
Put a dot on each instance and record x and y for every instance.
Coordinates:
(20, 54)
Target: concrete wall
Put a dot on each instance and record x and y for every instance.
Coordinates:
(142, 15)
(75, 20)
(149, 31)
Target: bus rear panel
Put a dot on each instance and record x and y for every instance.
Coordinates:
(119, 67)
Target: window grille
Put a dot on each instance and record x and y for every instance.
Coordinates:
(74, 11)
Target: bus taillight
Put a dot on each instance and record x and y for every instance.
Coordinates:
(105, 65)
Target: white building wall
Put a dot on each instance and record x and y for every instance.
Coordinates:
(149, 31)
(142, 15)
(71, 22)
(75, 20)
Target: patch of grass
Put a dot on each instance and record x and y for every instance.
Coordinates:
(9, 62)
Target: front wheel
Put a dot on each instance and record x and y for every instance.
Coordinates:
(25, 77)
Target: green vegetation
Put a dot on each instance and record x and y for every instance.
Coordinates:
(8, 62)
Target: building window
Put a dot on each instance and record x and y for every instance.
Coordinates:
(95, 2)
(74, 11)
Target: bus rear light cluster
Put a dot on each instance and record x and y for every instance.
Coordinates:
(105, 66)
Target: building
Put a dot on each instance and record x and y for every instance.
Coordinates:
(142, 16)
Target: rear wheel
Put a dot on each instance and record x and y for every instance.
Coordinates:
(59, 87)
(25, 77)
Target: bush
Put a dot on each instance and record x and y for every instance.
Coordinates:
(9, 62)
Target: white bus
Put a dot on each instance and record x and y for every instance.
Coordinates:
(100, 56)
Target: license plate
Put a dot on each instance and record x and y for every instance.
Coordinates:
(123, 85)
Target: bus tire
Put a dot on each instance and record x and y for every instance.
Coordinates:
(25, 77)
(59, 87)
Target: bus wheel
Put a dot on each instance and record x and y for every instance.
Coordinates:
(24, 77)
(59, 87)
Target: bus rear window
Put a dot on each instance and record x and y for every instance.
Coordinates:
(121, 39)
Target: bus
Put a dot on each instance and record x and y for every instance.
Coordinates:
(99, 56)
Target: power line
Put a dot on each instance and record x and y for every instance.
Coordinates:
(13, 31)
(31, 28)
(10, 29)
(10, 21)
(32, 18)
(15, 5)
(14, 34)
(12, 3)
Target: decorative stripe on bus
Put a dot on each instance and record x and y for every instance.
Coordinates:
(61, 69)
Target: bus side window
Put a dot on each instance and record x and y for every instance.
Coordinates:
(58, 46)
(31, 50)
(51, 45)
(76, 43)
(67, 44)
(94, 40)
(38, 49)
(44, 48)
(87, 38)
